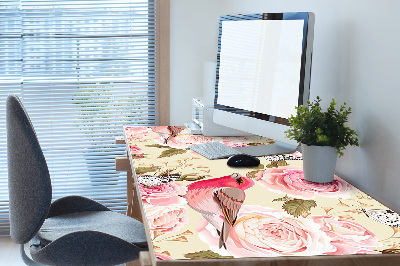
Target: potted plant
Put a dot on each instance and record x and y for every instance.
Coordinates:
(323, 135)
(97, 105)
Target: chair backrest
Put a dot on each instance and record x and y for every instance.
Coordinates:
(29, 183)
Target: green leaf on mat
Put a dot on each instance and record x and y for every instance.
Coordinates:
(191, 177)
(205, 254)
(171, 152)
(260, 166)
(252, 174)
(285, 198)
(156, 146)
(297, 207)
(391, 251)
(143, 170)
(277, 163)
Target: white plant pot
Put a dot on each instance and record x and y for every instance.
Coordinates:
(319, 163)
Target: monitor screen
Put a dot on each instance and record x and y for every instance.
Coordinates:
(260, 63)
(263, 71)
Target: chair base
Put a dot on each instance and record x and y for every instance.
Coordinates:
(26, 259)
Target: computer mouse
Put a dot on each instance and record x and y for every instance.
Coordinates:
(243, 160)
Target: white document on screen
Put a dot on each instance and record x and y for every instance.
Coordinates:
(260, 63)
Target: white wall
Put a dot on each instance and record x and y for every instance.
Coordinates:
(356, 60)
(194, 41)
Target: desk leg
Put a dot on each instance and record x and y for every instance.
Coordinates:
(133, 263)
(132, 198)
(144, 260)
(129, 192)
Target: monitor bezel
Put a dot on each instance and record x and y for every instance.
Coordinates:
(305, 69)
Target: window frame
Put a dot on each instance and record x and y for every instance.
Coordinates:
(163, 36)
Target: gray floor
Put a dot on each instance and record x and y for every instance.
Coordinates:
(9, 253)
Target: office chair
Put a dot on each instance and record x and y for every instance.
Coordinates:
(70, 231)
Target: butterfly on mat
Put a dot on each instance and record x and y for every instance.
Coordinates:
(285, 157)
(157, 180)
(169, 132)
(387, 217)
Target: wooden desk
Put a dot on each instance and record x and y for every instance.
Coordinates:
(282, 218)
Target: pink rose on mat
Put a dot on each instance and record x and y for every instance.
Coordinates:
(297, 154)
(137, 132)
(235, 141)
(136, 151)
(266, 232)
(244, 141)
(290, 180)
(165, 194)
(162, 256)
(347, 236)
(183, 140)
(166, 219)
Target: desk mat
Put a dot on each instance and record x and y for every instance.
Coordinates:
(197, 208)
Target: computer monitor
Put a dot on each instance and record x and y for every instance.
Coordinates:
(263, 73)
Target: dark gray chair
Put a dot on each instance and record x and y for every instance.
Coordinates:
(70, 231)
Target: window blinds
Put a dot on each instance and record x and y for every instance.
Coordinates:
(83, 69)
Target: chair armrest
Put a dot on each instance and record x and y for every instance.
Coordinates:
(72, 204)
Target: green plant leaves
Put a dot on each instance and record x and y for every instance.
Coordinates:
(205, 254)
(312, 126)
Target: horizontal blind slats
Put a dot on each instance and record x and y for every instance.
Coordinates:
(83, 69)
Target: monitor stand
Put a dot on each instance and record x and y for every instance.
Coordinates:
(265, 150)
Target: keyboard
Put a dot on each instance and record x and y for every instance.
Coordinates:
(214, 150)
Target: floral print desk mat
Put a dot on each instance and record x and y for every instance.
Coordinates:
(197, 208)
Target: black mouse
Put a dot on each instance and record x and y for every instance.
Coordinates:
(242, 160)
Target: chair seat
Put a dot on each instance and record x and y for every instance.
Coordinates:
(108, 222)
